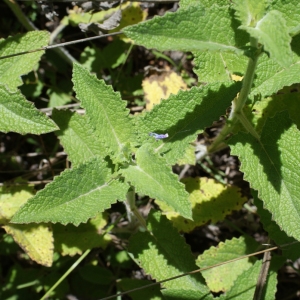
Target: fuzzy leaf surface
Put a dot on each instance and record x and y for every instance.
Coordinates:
(221, 278)
(287, 99)
(270, 77)
(212, 67)
(185, 115)
(244, 286)
(151, 176)
(271, 167)
(74, 196)
(165, 254)
(274, 231)
(204, 3)
(19, 115)
(291, 13)
(105, 108)
(272, 32)
(79, 139)
(11, 69)
(249, 11)
(192, 28)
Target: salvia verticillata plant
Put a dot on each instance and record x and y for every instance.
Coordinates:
(115, 155)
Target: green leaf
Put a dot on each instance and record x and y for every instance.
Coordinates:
(249, 12)
(292, 250)
(151, 176)
(221, 278)
(212, 67)
(148, 293)
(291, 100)
(19, 115)
(72, 240)
(188, 157)
(185, 115)
(163, 253)
(261, 111)
(96, 274)
(57, 97)
(290, 11)
(244, 286)
(18, 275)
(11, 69)
(189, 29)
(270, 77)
(79, 138)
(287, 99)
(105, 109)
(272, 32)
(74, 196)
(205, 3)
(271, 167)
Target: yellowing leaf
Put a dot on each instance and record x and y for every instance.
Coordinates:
(221, 278)
(131, 14)
(211, 201)
(157, 87)
(35, 240)
(12, 198)
(76, 16)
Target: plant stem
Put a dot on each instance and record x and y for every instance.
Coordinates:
(131, 208)
(263, 275)
(238, 103)
(77, 262)
(20, 16)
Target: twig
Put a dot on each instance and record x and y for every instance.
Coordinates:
(183, 171)
(262, 278)
(60, 45)
(49, 109)
(26, 183)
(192, 272)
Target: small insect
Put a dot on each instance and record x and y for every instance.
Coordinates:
(158, 136)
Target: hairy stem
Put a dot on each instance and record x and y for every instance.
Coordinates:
(132, 210)
(238, 103)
